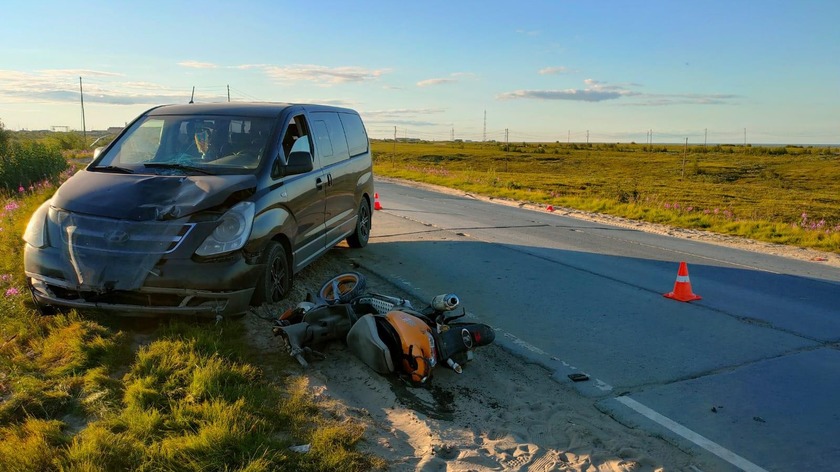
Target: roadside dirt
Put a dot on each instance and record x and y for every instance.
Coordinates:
(501, 413)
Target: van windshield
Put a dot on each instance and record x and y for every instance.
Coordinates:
(189, 143)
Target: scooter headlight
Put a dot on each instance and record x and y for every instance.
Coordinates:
(232, 233)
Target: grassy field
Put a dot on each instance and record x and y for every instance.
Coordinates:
(787, 195)
(83, 393)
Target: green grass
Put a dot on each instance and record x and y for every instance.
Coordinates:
(78, 394)
(787, 195)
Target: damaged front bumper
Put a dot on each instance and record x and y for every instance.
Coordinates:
(136, 269)
(144, 301)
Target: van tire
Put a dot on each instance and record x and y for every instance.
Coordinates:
(276, 280)
(361, 235)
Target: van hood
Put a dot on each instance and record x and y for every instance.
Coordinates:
(147, 197)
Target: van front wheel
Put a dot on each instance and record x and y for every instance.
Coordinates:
(276, 280)
(361, 235)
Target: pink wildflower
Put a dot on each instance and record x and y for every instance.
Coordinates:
(12, 292)
(21, 189)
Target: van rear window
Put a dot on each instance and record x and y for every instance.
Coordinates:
(354, 129)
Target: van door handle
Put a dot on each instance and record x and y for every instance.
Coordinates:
(319, 184)
(329, 180)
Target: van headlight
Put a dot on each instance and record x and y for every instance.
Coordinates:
(36, 229)
(232, 233)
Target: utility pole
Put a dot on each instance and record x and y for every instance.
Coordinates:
(587, 136)
(484, 137)
(228, 89)
(705, 136)
(395, 141)
(569, 137)
(82, 97)
(685, 154)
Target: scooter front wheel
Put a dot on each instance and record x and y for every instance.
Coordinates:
(343, 288)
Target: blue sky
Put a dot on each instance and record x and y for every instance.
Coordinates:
(558, 70)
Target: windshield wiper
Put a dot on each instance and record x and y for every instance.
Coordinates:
(173, 165)
(115, 169)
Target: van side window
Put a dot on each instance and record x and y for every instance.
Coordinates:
(357, 139)
(333, 131)
(296, 130)
(322, 140)
(301, 145)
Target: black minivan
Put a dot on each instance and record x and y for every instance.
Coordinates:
(203, 209)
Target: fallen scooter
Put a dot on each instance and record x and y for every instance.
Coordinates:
(386, 333)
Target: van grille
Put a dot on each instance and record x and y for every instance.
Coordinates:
(105, 254)
(120, 236)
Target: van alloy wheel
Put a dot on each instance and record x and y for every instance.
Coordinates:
(361, 235)
(276, 280)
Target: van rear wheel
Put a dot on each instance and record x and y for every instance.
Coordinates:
(361, 235)
(276, 280)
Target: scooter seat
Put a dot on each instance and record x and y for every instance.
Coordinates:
(365, 343)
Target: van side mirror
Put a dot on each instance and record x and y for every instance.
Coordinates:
(97, 152)
(300, 162)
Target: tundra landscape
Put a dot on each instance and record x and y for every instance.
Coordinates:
(79, 391)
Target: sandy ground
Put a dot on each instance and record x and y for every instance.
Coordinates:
(501, 413)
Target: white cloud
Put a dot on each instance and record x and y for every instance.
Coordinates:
(585, 95)
(453, 78)
(658, 100)
(596, 91)
(323, 74)
(197, 65)
(554, 70)
(62, 86)
(397, 112)
(599, 91)
(430, 82)
(77, 73)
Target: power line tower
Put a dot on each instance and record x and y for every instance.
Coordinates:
(82, 98)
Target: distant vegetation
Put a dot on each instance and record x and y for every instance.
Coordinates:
(782, 194)
(26, 161)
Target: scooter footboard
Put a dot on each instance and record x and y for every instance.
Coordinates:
(365, 343)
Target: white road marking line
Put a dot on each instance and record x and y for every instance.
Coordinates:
(701, 441)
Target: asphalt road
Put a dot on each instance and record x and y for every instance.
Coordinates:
(748, 375)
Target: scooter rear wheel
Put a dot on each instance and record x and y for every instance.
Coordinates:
(343, 288)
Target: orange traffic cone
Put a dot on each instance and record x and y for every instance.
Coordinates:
(376, 204)
(682, 287)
